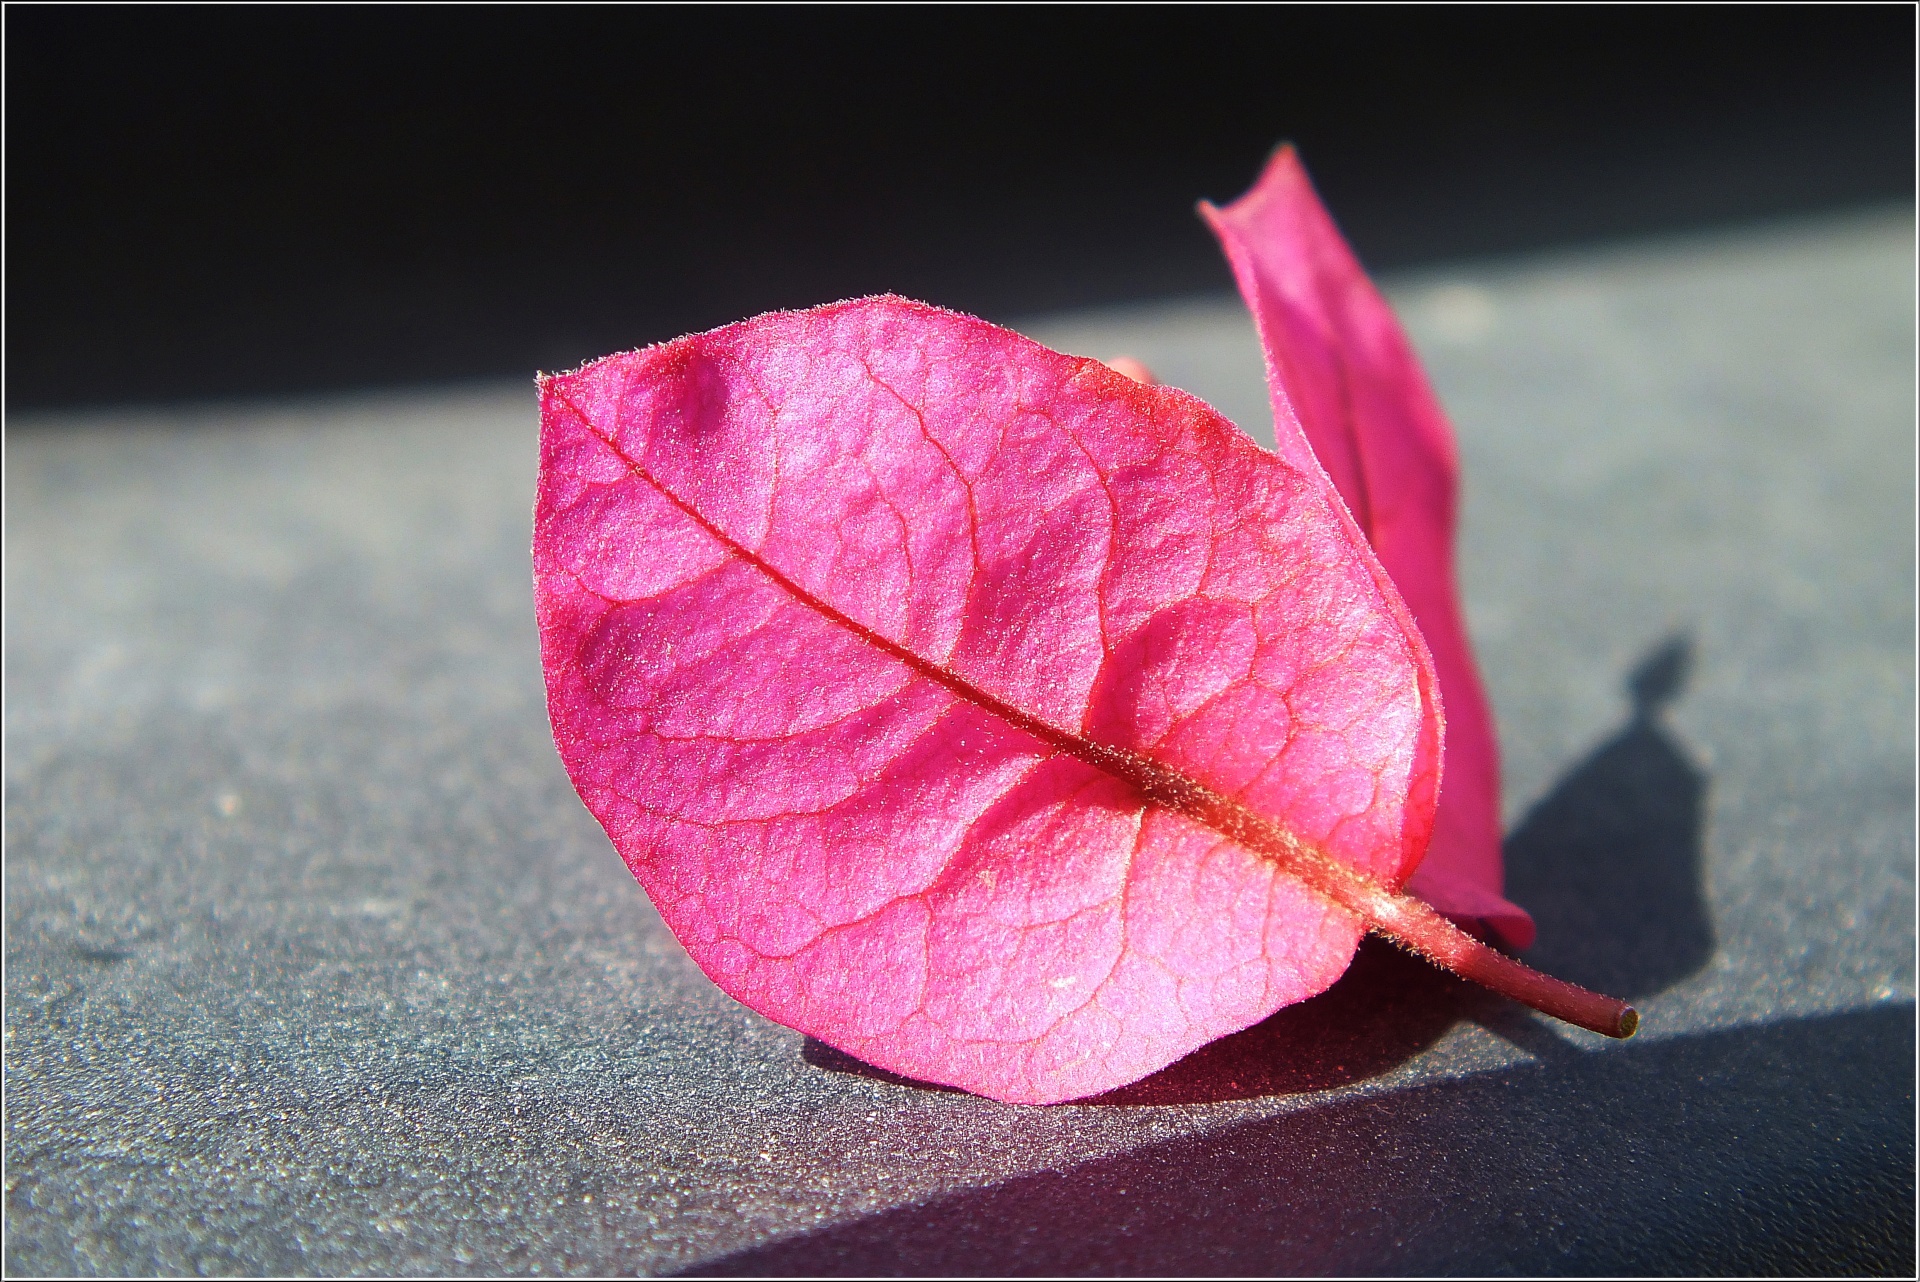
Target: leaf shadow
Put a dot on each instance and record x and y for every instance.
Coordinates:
(834, 1060)
(1608, 862)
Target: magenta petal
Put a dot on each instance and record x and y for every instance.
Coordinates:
(822, 594)
(1339, 366)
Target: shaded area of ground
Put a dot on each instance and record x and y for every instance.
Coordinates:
(1794, 1156)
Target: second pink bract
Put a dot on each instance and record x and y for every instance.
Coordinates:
(1339, 367)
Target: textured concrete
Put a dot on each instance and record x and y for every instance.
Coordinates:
(316, 965)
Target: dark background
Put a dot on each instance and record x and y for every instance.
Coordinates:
(213, 202)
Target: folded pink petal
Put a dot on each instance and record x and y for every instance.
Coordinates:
(1340, 368)
(846, 615)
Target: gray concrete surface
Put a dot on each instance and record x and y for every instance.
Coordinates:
(314, 963)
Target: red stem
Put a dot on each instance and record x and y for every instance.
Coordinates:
(1416, 927)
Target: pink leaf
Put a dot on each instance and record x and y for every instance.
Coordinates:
(1339, 367)
(951, 697)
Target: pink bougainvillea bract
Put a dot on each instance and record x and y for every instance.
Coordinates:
(1004, 721)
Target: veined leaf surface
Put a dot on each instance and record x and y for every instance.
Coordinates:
(953, 698)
